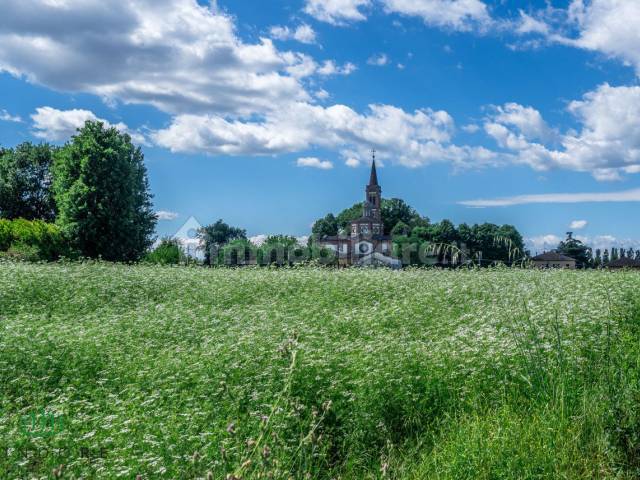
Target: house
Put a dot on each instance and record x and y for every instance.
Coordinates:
(553, 260)
(367, 244)
(621, 263)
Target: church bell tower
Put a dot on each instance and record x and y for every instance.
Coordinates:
(373, 193)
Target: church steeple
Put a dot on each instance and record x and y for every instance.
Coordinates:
(373, 178)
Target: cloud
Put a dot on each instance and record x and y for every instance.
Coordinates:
(329, 68)
(59, 125)
(166, 215)
(303, 33)
(471, 128)
(607, 144)
(379, 60)
(461, 15)
(352, 162)
(622, 196)
(337, 12)
(408, 138)
(314, 162)
(611, 27)
(321, 94)
(542, 242)
(578, 224)
(7, 117)
(177, 55)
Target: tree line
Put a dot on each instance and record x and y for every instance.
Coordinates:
(484, 244)
(586, 257)
(91, 194)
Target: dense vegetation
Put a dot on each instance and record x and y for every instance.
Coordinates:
(485, 243)
(172, 372)
(94, 188)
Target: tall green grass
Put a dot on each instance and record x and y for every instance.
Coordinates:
(316, 373)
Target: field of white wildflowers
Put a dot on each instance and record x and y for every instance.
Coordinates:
(174, 372)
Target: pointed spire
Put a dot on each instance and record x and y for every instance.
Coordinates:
(373, 179)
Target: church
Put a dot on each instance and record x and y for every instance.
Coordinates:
(367, 245)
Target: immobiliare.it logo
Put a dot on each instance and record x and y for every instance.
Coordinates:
(42, 424)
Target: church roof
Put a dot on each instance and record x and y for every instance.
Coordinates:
(373, 178)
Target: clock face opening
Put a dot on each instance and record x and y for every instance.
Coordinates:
(364, 248)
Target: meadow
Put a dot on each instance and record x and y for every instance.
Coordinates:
(312, 373)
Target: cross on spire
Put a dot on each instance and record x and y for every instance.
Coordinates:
(373, 178)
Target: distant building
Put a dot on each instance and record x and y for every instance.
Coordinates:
(553, 260)
(621, 263)
(367, 243)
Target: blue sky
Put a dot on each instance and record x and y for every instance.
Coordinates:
(263, 113)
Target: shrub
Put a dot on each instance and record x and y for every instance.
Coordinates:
(32, 240)
(23, 252)
(168, 252)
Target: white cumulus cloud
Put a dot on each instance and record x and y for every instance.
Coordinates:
(607, 144)
(462, 15)
(7, 117)
(59, 125)
(302, 33)
(379, 60)
(177, 55)
(166, 215)
(314, 162)
(337, 12)
(578, 224)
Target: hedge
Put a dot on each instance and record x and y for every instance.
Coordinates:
(44, 238)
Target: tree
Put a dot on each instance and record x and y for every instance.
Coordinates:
(637, 257)
(574, 248)
(605, 256)
(213, 237)
(168, 252)
(597, 260)
(392, 211)
(102, 194)
(325, 227)
(401, 228)
(630, 253)
(25, 182)
(614, 254)
(396, 210)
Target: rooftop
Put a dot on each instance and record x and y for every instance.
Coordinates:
(624, 263)
(552, 257)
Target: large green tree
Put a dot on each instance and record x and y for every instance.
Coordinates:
(102, 194)
(574, 248)
(325, 227)
(214, 236)
(25, 182)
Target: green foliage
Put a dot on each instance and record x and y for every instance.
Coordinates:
(574, 248)
(237, 252)
(168, 252)
(393, 210)
(32, 240)
(25, 182)
(215, 236)
(102, 193)
(321, 373)
(282, 250)
(325, 227)
(401, 228)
